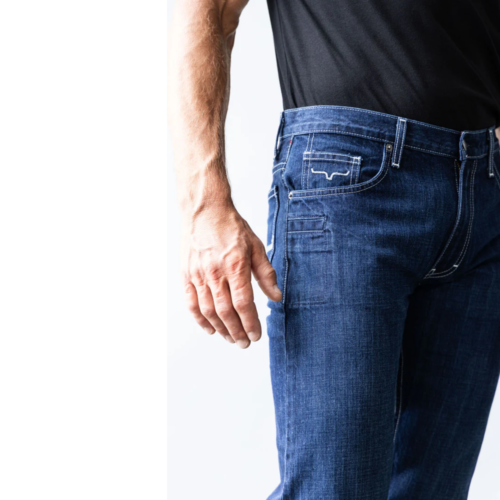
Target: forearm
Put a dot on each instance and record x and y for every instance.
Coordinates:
(200, 49)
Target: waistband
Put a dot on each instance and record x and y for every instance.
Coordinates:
(403, 132)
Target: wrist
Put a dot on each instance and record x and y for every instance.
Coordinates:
(204, 189)
(213, 205)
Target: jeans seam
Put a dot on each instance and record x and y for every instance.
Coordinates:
(309, 164)
(275, 219)
(450, 239)
(400, 396)
(429, 151)
(335, 130)
(287, 370)
(451, 270)
(295, 110)
(304, 168)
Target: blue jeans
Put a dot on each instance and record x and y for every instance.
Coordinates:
(385, 350)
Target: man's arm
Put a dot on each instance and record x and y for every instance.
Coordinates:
(219, 250)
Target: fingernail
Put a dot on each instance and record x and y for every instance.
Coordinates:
(254, 336)
(242, 343)
(209, 330)
(276, 289)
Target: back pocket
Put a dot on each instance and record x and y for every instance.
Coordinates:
(323, 169)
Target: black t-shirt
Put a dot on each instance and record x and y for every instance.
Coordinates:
(437, 61)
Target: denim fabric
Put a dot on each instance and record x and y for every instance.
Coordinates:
(385, 350)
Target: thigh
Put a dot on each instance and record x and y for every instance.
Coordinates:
(334, 370)
(335, 342)
(342, 227)
(451, 364)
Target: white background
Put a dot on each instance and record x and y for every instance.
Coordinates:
(83, 249)
(83, 268)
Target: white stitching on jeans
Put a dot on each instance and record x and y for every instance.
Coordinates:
(450, 239)
(329, 177)
(381, 114)
(348, 190)
(309, 164)
(286, 162)
(430, 151)
(452, 269)
(303, 166)
(399, 143)
(336, 130)
(332, 160)
(343, 132)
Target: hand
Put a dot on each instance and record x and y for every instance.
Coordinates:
(220, 252)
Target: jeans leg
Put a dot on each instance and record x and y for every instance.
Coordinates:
(451, 366)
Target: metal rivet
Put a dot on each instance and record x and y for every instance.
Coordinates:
(290, 195)
(388, 147)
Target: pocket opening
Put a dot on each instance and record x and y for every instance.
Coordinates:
(273, 206)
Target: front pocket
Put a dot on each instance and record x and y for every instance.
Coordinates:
(273, 205)
(334, 162)
(370, 174)
(326, 170)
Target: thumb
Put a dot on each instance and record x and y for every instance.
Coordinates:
(264, 273)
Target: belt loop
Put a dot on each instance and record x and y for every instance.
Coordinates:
(462, 147)
(491, 131)
(399, 142)
(277, 143)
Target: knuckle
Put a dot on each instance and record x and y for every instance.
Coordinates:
(192, 307)
(271, 273)
(212, 271)
(197, 278)
(207, 311)
(219, 294)
(235, 262)
(224, 311)
(200, 320)
(242, 305)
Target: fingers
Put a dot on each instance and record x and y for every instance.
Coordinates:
(240, 286)
(207, 309)
(232, 314)
(264, 273)
(194, 309)
(227, 313)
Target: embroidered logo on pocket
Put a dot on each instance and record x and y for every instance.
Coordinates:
(324, 170)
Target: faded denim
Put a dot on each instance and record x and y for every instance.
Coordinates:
(385, 350)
